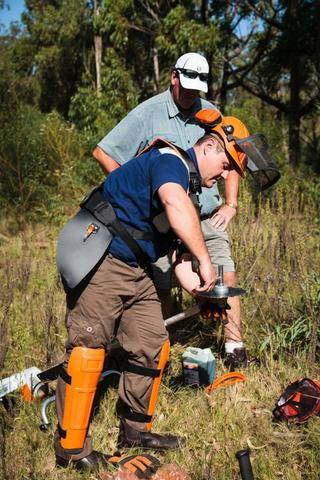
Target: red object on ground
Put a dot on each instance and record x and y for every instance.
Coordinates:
(167, 472)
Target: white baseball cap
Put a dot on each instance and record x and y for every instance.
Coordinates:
(193, 71)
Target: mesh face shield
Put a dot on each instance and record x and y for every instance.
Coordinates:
(299, 401)
(260, 164)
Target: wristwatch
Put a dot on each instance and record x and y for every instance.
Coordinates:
(232, 205)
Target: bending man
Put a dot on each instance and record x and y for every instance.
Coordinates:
(150, 199)
(171, 115)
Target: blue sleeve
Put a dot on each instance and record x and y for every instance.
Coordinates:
(125, 140)
(168, 169)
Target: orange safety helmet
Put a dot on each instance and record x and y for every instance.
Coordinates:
(229, 129)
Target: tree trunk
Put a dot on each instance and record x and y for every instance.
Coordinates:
(156, 70)
(206, 20)
(210, 93)
(294, 138)
(224, 89)
(97, 49)
(295, 82)
(205, 12)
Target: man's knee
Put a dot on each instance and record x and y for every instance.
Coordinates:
(152, 347)
(230, 279)
(168, 302)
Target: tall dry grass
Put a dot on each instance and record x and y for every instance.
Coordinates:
(276, 246)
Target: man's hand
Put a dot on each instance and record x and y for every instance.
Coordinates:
(222, 217)
(208, 276)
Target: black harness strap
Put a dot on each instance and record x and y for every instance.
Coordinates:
(65, 376)
(195, 179)
(62, 433)
(136, 417)
(117, 228)
(144, 371)
(104, 212)
(51, 373)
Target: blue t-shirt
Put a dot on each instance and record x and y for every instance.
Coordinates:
(132, 191)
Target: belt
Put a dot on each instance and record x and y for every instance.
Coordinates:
(206, 216)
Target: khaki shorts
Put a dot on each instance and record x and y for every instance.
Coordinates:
(218, 245)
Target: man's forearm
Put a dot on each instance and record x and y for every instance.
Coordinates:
(107, 163)
(184, 220)
(232, 188)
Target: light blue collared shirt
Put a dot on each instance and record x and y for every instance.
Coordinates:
(159, 116)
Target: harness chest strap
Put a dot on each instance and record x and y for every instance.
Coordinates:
(78, 251)
(194, 179)
(104, 212)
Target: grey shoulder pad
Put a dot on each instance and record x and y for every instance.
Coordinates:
(81, 244)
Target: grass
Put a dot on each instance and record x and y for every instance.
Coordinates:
(276, 245)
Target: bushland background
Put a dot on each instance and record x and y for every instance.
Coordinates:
(69, 71)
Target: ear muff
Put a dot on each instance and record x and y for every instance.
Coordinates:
(229, 129)
(208, 118)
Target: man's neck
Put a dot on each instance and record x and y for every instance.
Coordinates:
(185, 112)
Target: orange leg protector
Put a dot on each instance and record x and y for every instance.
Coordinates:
(156, 375)
(163, 360)
(84, 370)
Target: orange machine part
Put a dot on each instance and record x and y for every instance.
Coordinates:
(85, 367)
(226, 380)
(164, 357)
(26, 393)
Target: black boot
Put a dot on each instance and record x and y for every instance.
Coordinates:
(94, 462)
(237, 359)
(129, 437)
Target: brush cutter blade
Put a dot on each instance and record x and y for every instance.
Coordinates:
(225, 293)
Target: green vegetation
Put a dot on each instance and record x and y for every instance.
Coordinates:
(278, 265)
(54, 107)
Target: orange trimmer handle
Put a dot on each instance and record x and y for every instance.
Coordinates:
(226, 380)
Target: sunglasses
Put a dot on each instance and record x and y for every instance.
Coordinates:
(192, 74)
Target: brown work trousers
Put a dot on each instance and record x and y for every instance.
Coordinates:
(120, 297)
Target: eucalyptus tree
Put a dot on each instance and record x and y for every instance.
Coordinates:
(59, 32)
(288, 72)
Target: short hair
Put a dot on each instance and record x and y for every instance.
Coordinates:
(219, 143)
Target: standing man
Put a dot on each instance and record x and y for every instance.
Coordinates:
(170, 115)
(119, 297)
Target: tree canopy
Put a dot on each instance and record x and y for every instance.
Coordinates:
(92, 61)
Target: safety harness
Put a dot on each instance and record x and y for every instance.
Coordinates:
(194, 177)
(84, 240)
(103, 211)
(299, 401)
